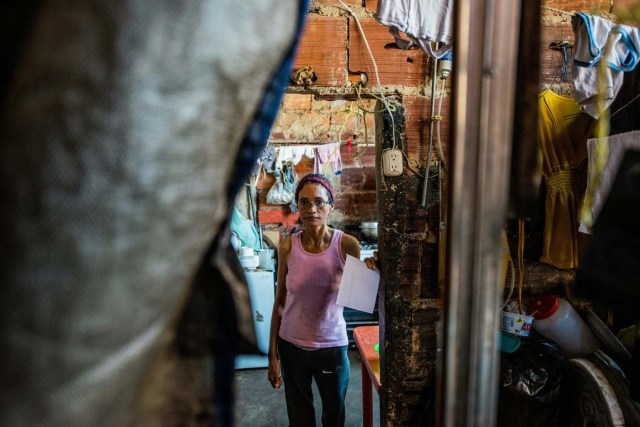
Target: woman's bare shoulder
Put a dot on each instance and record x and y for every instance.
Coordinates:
(350, 239)
(350, 244)
(285, 245)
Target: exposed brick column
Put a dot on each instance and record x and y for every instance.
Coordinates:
(408, 302)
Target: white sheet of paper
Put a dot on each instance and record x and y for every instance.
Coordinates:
(359, 286)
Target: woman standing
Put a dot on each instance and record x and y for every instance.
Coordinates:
(308, 333)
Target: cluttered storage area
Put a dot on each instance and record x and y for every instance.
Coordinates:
(540, 195)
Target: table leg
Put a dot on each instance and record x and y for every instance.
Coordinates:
(367, 399)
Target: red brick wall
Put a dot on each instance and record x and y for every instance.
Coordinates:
(324, 47)
(326, 111)
(306, 120)
(395, 66)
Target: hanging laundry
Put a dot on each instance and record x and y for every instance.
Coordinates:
(328, 153)
(298, 151)
(293, 154)
(426, 22)
(609, 270)
(244, 229)
(563, 133)
(266, 160)
(291, 182)
(616, 145)
(591, 36)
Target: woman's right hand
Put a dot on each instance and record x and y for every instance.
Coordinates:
(275, 378)
(373, 261)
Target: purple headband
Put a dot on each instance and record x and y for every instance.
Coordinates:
(316, 179)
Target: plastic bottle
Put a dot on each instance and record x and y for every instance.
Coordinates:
(556, 319)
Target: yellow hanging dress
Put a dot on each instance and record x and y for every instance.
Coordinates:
(563, 133)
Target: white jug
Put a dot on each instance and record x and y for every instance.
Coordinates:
(557, 320)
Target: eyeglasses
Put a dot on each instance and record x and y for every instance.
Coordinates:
(319, 203)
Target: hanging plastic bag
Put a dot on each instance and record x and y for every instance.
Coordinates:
(283, 190)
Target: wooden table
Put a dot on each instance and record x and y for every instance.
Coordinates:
(365, 338)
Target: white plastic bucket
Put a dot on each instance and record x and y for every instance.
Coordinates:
(246, 251)
(517, 324)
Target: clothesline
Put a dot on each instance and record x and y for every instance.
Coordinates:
(288, 144)
(625, 106)
(274, 157)
(563, 12)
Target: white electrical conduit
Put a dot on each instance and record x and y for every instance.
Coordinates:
(440, 150)
(434, 81)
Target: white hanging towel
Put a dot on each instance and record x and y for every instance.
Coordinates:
(591, 36)
(293, 154)
(425, 21)
(301, 150)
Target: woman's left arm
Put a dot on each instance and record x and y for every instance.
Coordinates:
(350, 246)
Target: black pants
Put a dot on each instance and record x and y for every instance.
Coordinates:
(329, 367)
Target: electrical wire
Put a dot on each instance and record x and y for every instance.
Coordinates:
(359, 90)
(442, 229)
(440, 149)
(434, 86)
(349, 111)
(366, 136)
(438, 119)
(512, 270)
(520, 262)
(412, 169)
(624, 106)
(375, 69)
(364, 111)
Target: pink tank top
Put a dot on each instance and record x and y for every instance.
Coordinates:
(311, 316)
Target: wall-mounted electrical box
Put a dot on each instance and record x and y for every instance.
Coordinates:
(392, 162)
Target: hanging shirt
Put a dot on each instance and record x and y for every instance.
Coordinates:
(266, 160)
(311, 316)
(328, 153)
(426, 22)
(563, 132)
(591, 36)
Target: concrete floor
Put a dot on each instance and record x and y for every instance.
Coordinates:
(259, 405)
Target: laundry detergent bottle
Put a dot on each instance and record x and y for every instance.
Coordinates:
(556, 319)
